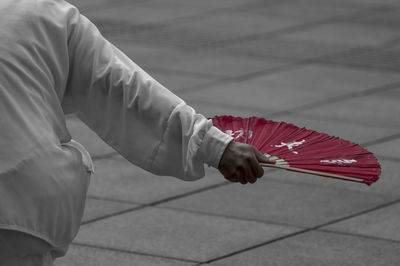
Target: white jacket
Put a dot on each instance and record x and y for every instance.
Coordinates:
(51, 55)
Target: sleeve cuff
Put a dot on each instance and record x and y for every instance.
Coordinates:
(213, 146)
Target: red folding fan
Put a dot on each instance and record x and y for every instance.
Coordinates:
(303, 150)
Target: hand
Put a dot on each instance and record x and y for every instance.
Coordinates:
(240, 163)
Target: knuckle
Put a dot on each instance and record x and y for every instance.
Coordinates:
(252, 181)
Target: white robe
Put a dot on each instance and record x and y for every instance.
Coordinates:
(51, 55)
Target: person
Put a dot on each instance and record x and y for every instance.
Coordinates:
(54, 60)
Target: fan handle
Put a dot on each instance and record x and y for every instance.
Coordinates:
(299, 170)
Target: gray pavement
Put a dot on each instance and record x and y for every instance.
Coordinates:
(329, 65)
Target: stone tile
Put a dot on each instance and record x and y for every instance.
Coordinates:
(319, 248)
(83, 134)
(209, 110)
(199, 32)
(355, 3)
(177, 82)
(380, 58)
(215, 64)
(330, 81)
(146, 55)
(293, 88)
(230, 25)
(116, 178)
(89, 256)
(178, 234)
(346, 34)
(84, 5)
(160, 64)
(143, 12)
(382, 223)
(200, 64)
(297, 204)
(390, 179)
(380, 109)
(352, 131)
(389, 17)
(96, 208)
(285, 48)
(211, 4)
(389, 149)
(298, 11)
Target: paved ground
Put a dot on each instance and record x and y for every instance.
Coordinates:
(329, 65)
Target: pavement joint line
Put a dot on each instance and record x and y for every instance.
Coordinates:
(113, 214)
(314, 228)
(358, 235)
(344, 120)
(231, 106)
(133, 252)
(169, 22)
(360, 66)
(155, 203)
(258, 245)
(224, 81)
(267, 35)
(290, 29)
(295, 181)
(312, 105)
(256, 74)
(183, 72)
(357, 51)
(223, 183)
(339, 98)
(381, 140)
(208, 13)
(251, 75)
(364, 49)
(204, 213)
(97, 7)
(113, 200)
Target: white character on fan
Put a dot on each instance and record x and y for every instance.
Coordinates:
(339, 161)
(290, 145)
(239, 133)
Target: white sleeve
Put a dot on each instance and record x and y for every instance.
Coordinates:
(132, 112)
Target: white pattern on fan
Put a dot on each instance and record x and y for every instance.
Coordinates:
(239, 133)
(290, 145)
(339, 161)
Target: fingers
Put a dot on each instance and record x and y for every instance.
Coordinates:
(256, 168)
(240, 175)
(262, 158)
(240, 163)
(243, 176)
(249, 175)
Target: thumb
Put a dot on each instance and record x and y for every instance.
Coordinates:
(263, 158)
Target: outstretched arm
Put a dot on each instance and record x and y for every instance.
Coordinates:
(145, 122)
(132, 112)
